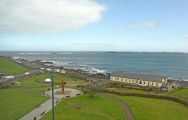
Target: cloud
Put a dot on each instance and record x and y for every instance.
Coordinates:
(149, 24)
(47, 16)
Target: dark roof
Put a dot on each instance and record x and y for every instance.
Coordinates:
(147, 77)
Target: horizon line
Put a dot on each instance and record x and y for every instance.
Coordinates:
(89, 51)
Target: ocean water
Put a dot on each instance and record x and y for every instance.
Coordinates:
(174, 65)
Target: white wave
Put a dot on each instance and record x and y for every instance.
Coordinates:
(16, 57)
(48, 61)
(21, 53)
(98, 70)
(33, 53)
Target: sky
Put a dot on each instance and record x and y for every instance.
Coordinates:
(94, 25)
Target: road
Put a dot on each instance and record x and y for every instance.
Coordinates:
(45, 107)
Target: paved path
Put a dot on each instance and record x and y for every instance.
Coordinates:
(45, 107)
(128, 111)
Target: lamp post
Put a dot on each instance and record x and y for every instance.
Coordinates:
(52, 83)
(50, 73)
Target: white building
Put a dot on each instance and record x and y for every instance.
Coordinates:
(27, 73)
(48, 69)
(139, 79)
(60, 71)
(9, 77)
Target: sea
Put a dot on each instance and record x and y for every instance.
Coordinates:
(173, 65)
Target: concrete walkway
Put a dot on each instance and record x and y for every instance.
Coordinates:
(45, 107)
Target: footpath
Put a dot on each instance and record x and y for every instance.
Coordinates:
(45, 107)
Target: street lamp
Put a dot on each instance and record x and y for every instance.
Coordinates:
(52, 86)
(52, 83)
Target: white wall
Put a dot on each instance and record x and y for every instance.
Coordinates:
(133, 81)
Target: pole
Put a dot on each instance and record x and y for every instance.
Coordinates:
(52, 80)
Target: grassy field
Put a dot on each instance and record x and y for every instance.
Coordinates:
(16, 102)
(34, 81)
(8, 67)
(39, 79)
(182, 93)
(155, 109)
(91, 108)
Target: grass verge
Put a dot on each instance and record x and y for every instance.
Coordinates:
(155, 109)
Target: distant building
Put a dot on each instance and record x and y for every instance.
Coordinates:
(27, 73)
(56, 70)
(63, 71)
(174, 84)
(9, 77)
(139, 79)
(42, 68)
(60, 71)
(48, 69)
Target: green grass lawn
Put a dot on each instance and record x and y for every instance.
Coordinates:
(155, 109)
(91, 108)
(182, 93)
(8, 67)
(35, 81)
(38, 80)
(16, 102)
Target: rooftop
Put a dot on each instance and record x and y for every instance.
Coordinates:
(147, 77)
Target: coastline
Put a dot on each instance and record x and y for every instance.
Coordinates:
(100, 64)
(54, 64)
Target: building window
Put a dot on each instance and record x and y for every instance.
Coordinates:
(140, 82)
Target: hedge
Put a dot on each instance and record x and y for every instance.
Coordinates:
(175, 99)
